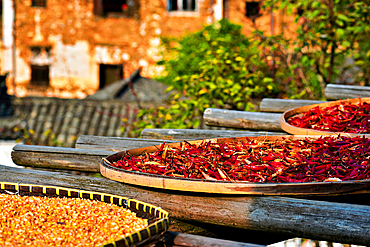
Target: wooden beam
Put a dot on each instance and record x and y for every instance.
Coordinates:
(320, 220)
(114, 143)
(282, 105)
(198, 134)
(58, 157)
(261, 121)
(337, 92)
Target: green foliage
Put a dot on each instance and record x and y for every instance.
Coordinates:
(328, 33)
(359, 17)
(218, 64)
(215, 67)
(28, 137)
(220, 67)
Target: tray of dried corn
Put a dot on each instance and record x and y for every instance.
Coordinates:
(38, 215)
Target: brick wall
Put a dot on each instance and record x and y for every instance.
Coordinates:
(74, 41)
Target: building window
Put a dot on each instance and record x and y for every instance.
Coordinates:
(109, 73)
(40, 75)
(38, 3)
(181, 5)
(40, 65)
(253, 9)
(117, 8)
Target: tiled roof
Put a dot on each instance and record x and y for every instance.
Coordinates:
(100, 114)
(67, 118)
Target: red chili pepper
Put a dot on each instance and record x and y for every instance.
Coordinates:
(267, 158)
(301, 160)
(338, 118)
(320, 167)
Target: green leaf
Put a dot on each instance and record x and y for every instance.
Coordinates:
(346, 43)
(305, 60)
(267, 80)
(316, 4)
(343, 17)
(340, 32)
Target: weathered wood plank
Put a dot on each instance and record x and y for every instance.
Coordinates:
(60, 150)
(337, 92)
(282, 105)
(336, 222)
(114, 143)
(262, 121)
(198, 134)
(58, 157)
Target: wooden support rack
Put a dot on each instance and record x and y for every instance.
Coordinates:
(322, 220)
(315, 218)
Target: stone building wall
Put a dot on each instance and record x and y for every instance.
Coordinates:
(67, 36)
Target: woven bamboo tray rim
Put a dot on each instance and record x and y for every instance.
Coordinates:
(157, 217)
(228, 187)
(303, 131)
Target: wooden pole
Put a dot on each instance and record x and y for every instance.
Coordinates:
(199, 134)
(261, 121)
(59, 158)
(320, 220)
(341, 92)
(283, 105)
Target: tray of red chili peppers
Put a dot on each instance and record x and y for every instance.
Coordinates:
(350, 116)
(264, 165)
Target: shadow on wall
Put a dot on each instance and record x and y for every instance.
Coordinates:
(5, 99)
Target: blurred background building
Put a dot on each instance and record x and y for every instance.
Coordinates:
(73, 48)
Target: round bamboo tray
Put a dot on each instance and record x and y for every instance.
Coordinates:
(227, 187)
(300, 110)
(158, 218)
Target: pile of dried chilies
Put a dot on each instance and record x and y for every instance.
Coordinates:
(344, 117)
(327, 158)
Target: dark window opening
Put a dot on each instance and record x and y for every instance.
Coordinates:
(40, 65)
(38, 3)
(117, 8)
(181, 5)
(114, 6)
(172, 5)
(109, 73)
(40, 75)
(188, 5)
(253, 9)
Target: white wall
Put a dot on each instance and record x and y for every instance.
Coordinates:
(73, 61)
(8, 17)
